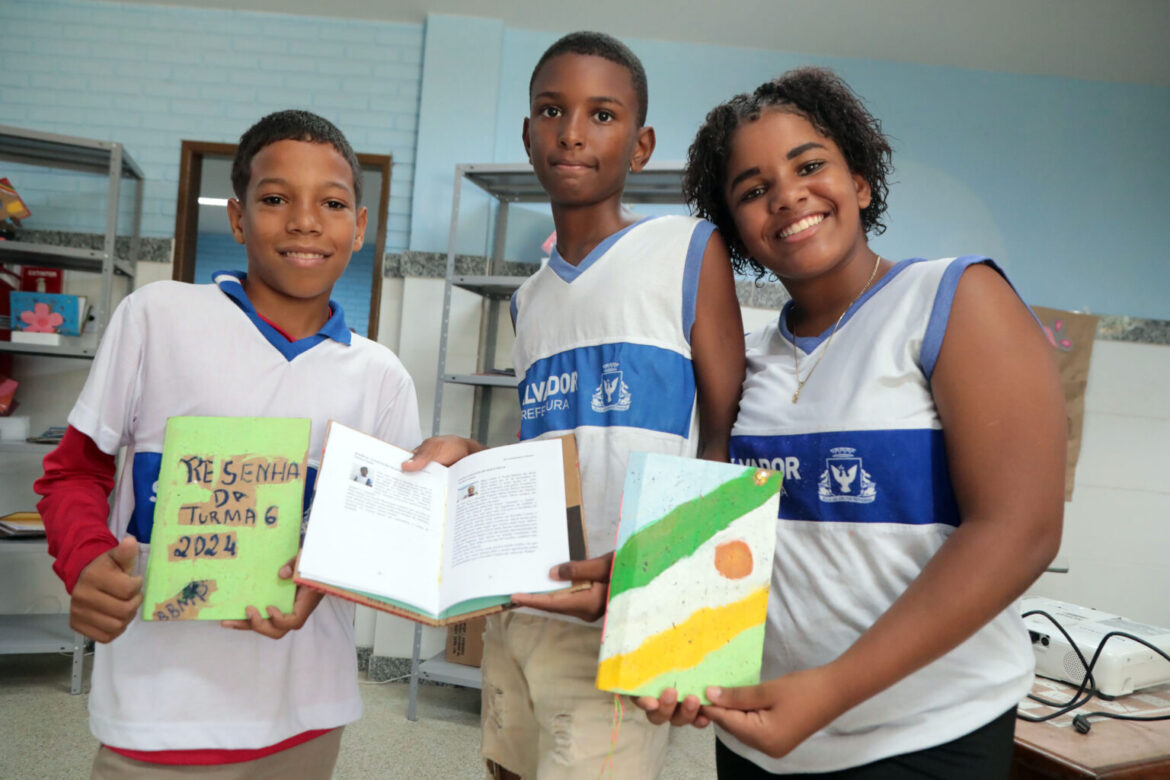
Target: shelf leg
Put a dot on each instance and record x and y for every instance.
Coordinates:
(78, 663)
(412, 704)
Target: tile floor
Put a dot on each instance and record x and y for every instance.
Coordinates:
(45, 733)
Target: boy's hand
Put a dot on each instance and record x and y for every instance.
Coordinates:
(276, 624)
(106, 597)
(443, 450)
(776, 716)
(668, 709)
(587, 605)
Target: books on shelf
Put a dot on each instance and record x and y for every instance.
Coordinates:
(22, 525)
(441, 545)
(11, 206)
(688, 595)
(51, 435)
(227, 517)
(37, 316)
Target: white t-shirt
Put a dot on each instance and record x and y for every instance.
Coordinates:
(174, 349)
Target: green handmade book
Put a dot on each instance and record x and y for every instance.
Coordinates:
(688, 596)
(227, 517)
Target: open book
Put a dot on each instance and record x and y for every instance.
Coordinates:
(688, 596)
(441, 545)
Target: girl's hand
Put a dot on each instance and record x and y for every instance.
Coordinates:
(776, 716)
(668, 709)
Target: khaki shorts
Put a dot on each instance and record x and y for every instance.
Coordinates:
(312, 760)
(543, 716)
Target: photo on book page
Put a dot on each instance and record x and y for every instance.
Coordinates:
(688, 597)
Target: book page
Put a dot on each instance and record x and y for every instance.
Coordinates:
(373, 528)
(506, 522)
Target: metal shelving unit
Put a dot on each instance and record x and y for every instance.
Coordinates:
(85, 155)
(37, 633)
(506, 183)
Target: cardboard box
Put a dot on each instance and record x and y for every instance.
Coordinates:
(465, 642)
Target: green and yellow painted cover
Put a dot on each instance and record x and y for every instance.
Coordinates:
(688, 597)
(227, 517)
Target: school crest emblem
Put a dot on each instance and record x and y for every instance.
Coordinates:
(613, 394)
(845, 479)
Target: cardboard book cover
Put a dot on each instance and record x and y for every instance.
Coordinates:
(227, 517)
(688, 597)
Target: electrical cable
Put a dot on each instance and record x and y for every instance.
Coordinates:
(1088, 687)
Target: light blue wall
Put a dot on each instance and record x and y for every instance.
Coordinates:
(1056, 178)
(149, 76)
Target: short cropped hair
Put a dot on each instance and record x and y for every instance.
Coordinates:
(291, 125)
(827, 102)
(596, 44)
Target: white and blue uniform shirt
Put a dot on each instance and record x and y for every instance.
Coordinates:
(175, 349)
(603, 350)
(867, 501)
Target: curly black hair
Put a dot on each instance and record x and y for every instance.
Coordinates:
(607, 47)
(828, 103)
(291, 125)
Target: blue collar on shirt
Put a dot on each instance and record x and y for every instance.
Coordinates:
(231, 283)
(568, 272)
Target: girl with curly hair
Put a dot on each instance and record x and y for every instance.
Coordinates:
(916, 411)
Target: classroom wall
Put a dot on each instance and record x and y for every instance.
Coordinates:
(1117, 527)
(150, 76)
(1058, 179)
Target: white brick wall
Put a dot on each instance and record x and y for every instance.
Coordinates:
(150, 76)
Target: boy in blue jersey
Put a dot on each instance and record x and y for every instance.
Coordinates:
(631, 339)
(269, 698)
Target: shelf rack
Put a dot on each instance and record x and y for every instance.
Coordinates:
(34, 147)
(47, 633)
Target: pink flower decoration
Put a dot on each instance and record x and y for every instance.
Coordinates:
(41, 319)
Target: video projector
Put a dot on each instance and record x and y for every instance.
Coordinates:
(1124, 666)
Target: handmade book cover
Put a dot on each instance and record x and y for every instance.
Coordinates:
(227, 517)
(441, 545)
(36, 312)
(688, 597)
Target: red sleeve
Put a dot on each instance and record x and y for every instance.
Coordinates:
(76, 487)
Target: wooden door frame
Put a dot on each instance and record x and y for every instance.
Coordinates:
(191, 156)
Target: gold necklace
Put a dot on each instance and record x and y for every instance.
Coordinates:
(796, 358)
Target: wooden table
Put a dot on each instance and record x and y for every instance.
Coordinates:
(1114, 749)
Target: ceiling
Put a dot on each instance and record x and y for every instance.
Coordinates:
(1106, 40)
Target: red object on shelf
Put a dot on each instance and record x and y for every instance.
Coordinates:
(36, 279)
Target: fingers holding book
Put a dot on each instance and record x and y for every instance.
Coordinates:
(586, 602)
(276, 624)
(444, 450)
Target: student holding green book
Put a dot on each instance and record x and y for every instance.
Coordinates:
(269, 698)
